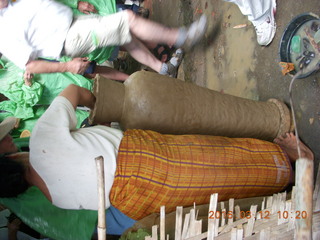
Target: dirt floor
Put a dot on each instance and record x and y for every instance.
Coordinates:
(230, 60)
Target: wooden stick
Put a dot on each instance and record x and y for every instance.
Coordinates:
(211, 221)
(250, 225)
(216, 227)
(239, 232)
(178, 230)
(154, 232)
(198, 227)
(162, 223)
(223, 217)
(316, 193)
(233, 234)
(102, 205)
(185, 226)
(192, 223)
(269, 201)
(231, 210)
(265, 234)
(237, 212)
(304, 192)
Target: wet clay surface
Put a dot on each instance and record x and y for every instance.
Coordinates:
(230, 60)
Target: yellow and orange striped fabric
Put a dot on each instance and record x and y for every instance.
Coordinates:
(178, 170)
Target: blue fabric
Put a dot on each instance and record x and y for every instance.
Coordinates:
(91, 68)
(117, 222)
(133, 7)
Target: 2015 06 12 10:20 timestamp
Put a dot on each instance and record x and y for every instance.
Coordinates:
(264, 214)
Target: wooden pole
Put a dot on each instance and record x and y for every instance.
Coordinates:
(212, 212)
(101, 193)
(316, 193)
(178, 230)
(304, 192)
(162, 223)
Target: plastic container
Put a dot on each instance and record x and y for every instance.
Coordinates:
(290, 37)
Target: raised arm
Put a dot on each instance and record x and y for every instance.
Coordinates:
(79, 96)
(76, 66)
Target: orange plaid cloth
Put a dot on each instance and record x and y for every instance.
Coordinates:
(178, 170)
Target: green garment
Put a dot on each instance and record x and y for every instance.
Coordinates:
(21, 142)
(29, 103)
(104, 8)
(10, 110)
(37, 212)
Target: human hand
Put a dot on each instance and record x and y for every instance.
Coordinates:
(85, 7)
(3, 4)
(27, 76)
(14, 226)
(78, 65)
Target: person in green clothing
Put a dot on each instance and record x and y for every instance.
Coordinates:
(29, 102)
(76, 37)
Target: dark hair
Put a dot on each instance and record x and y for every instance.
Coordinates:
(12, 180)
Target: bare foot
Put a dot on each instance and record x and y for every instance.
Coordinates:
(288, 143)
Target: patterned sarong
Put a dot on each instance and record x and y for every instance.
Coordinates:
(178, 170)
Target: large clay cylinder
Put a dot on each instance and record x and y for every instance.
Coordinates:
(168, 105)
(109, 101)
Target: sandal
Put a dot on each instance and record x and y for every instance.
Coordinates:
(143, 12)
(174, 63)
(162, 52)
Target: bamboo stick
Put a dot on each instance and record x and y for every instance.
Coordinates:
(101, 193)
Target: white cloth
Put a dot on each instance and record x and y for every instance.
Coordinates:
(64, 157)
(256, 10)
(33, 28)
(90, 32)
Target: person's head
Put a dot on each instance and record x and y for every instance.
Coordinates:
(6, 141)
(12, 178)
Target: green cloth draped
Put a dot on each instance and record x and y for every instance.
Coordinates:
(29, 103)
(36, 211)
